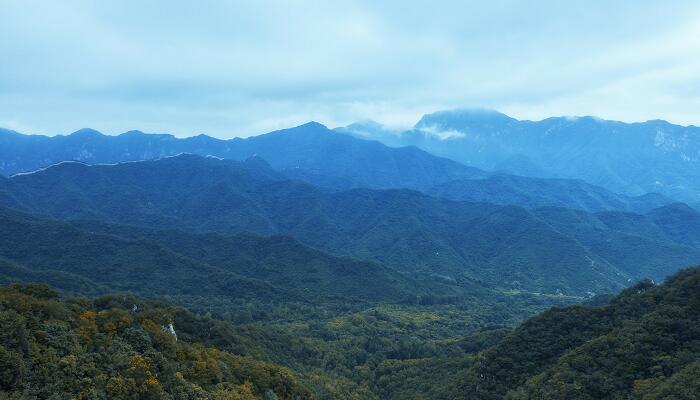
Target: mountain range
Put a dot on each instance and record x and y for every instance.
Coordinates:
(127, 347)
(510, 247)
(327, 159)
(97, 258)
(327, 266)
(631, 158)
(310, 147)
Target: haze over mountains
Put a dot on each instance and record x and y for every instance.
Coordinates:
(658, 156)
(333, 161)
(308, 147)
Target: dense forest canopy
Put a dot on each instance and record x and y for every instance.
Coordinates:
(548, 250)
(644, 344)
(287, 349)
(110, 348)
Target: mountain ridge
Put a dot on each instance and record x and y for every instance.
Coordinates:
(121, 258)
(404, 229)
(631, 158)
(641, 344)
(328, 159)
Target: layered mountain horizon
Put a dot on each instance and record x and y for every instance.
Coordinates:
(300, 152)
(354, 268)
(228, 224)
(406, 229)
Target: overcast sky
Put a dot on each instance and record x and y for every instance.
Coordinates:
(229, 68)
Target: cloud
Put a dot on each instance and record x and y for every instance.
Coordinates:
(239, 68)
(442, 134)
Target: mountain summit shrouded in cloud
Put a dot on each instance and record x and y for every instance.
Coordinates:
(240, 68)
(633, 158)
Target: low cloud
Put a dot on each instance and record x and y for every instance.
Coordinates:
(441, 134)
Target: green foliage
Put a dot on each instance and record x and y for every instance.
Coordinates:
(644, 344)
(529, 192)
(350, 324)
(99, 349)
(105, 347)
(178, 263)
(419, 290)
(500, 246)
(634, 243)
(346, 354)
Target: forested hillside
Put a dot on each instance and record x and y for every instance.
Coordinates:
(381, 294)
(532, 192)
(124, 347)
(504, 246)
(349, 328)
(177, 263)
(644, 344)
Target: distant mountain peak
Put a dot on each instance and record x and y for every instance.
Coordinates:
(368, 128)
(85, 133)
(310, 129)
(455, 117)
(5, 131)
(367, 123)
(133, 133)
(313, 124)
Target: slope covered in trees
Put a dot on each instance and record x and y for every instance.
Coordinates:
(84, 260)
(644, 344)
(123, 348)
(637, 249)
(675, 222)
(532, 192)
(503, 246)
(346, 335)
(363, 293)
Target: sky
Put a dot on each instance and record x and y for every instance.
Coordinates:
(239, 68)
